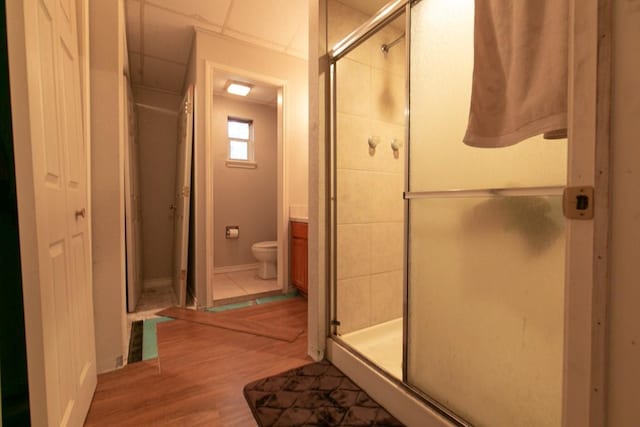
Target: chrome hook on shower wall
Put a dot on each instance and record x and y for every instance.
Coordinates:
(396, 145)
(373, 142)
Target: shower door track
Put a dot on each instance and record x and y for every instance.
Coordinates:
(556, 190)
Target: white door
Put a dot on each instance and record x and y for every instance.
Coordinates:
(51, 175)
(132, 205)
(182, 199)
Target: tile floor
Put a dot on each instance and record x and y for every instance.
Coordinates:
(240, 284)
(156, 298)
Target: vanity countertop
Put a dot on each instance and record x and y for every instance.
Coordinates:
(298, 219)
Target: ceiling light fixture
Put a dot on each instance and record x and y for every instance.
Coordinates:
(237, 88)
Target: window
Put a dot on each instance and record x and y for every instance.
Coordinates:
(240, 133)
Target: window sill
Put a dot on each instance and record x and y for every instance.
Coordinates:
(241, 164)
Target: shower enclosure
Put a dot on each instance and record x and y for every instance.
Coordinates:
(447, 261)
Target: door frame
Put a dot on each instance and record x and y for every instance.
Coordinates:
(182, 196)
(586, 289)
(133, 282)
(26, 196)
(282, 187)
(584, 393)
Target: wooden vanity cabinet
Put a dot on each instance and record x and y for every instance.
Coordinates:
(299, 255)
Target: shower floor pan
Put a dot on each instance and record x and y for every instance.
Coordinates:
(382, 344)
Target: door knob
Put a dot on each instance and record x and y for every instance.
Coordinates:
(80, 213)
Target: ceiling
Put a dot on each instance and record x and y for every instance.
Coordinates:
(160, 32)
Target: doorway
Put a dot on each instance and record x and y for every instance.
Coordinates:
(245, 211)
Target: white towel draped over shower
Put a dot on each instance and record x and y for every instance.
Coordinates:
(520, 71)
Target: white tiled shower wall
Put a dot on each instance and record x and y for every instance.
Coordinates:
(370, 102)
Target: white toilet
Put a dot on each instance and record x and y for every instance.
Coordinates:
(267, 254)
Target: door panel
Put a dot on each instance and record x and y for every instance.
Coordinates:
(48, 125)
(82, 294)
(182, 200)
(132, 205)
(66, 7)
(486, 307)
(486, 271)
(54, 219)
(136, 200)
(70, 108)
(56, 332)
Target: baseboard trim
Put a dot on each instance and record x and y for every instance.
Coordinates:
(157, 283)
(234, 268)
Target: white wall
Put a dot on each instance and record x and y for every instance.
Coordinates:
(244, 197)
(318, 84)
(244, 56)
(157, 137)
(623, 387)
(107, 186)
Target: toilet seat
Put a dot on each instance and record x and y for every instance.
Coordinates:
(270, 244)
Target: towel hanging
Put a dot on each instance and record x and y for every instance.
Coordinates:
(519, 87)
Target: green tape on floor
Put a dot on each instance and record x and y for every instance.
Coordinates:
(274, 298)
(150, 337)
(230, 306)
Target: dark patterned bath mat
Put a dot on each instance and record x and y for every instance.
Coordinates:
(317, 394)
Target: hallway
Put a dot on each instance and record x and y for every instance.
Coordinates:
(200, 372)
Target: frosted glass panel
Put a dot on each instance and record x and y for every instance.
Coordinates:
(441, 75)
(486, 286)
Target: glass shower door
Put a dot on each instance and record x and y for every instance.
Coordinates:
(486, 245)
(369, 178)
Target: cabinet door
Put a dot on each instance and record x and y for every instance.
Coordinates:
(299, 263)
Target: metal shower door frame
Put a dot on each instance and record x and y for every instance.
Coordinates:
(342, 48)
(586, 287)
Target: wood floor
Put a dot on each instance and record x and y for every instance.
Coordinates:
(200, 372)
(230, 320)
